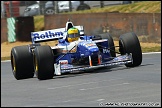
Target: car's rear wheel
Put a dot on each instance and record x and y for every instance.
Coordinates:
(110, 42)
(44, 62)
(129, 43)
(22, 62)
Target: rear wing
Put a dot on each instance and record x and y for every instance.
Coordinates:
(53, 34)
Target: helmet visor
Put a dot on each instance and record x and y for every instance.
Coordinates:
(73, 35)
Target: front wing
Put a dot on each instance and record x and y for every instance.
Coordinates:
(119, 60)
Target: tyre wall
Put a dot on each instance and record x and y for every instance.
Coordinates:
(146, 25)
(3, 30)
(23, 27)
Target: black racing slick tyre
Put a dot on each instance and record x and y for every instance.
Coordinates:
(129, 43)
(44, 62)
(22, 62)
(110, 42)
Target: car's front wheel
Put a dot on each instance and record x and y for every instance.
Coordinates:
(22, 62)
(129, 43)
(44, 62)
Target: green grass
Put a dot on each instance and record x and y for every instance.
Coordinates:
(39, 23)
(151, 49)
(138, 7)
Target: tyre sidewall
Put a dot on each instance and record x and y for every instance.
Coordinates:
(131, 44)
(24, 62)
(45, 60)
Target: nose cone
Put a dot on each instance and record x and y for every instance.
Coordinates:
(88, 48)
(93, 50)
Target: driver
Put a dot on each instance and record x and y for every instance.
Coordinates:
(73, 34)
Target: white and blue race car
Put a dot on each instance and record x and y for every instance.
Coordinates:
(87, 53)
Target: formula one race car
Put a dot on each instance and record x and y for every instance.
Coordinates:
(86, 53)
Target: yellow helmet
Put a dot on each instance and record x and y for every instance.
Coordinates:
(73, 34)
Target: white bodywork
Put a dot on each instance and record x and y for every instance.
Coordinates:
(54, 33)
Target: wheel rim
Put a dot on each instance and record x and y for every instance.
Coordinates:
(49, 12)
(36, 65)
(13, 64)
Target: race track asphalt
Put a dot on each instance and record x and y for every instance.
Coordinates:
(116, 86)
